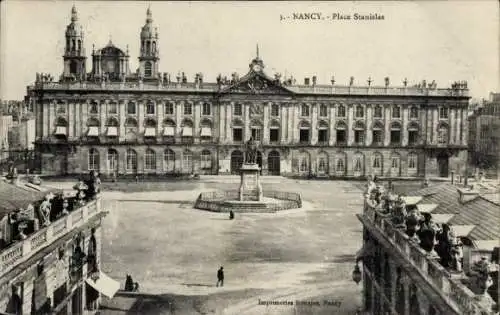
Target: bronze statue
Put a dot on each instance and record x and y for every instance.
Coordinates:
(251, 152)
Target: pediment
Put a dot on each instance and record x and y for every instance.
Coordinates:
(257, 83)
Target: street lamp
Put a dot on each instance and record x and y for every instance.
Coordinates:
(356, 274)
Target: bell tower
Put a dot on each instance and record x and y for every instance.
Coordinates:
(74, 51)
(149, 56)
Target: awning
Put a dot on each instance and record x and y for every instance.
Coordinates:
(187, 132)
(442, 218)
(112, 132)
(206, 132)
(411, 200)
(169, 131)
(61, 130)
(150, 132)
(486, 245)
(93, 131)
(104, 284)
(462, 230)
(428, 207)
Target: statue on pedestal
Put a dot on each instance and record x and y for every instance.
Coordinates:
(251, 152)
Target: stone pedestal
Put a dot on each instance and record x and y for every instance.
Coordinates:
(250, 188)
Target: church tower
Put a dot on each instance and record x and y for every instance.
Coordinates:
(149, 56)
(74, 52)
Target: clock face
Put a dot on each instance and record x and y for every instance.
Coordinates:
(257, 68)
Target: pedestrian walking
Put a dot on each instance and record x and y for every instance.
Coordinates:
(231, 215)
(220, 277)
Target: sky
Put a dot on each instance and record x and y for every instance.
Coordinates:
(443, 41)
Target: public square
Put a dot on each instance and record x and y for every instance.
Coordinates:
(174, 251)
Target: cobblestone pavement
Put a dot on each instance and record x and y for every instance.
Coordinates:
(174, 252)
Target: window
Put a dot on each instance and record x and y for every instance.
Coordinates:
(323, 110)
(359, 136)
(341, 111)
(377, 113)
(395, 134)
(274, 135)
(112, 108)
(341, 137)
(340, 165)
(304, 163)
(378, 133)
(413, 113)
(412, 161)
(396, 112)
(443, 134)
(150, 160)
(443, 113)
(206, 160)
(131, 108)
(150, 108)
(169, 108)
(395, 162)
(206, 110)
(131, 161)
(377, 161)
(359, 111)
(237, 109)
(357, 164)
(188, 108)
(322, 164)
(237, 134)
(147, 69)
(304, 136)
(412, 137)
(256, 134)
(93, 160)
(168, 160)
(275, 110)
(187, 161)
(61, 108)
(93, 108)
(304, 110)
(323, 136)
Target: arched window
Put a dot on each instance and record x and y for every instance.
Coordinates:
(73, 67)
(412, 161)
(358, 164)
(304, 130)
(323, 132)
(112, 161)
(154, 47)
(323, 110)
(359, 132)
(93, 160)
(304, 110)
(206, 130)
(79, 45)
(396, 112)
(274, 131)
(377, 112)
(130, 122)
(187, 162)
(341, 132)
(395, 133)
(341, 111)
(275, 110)
(207, 109)
(131, 161)
(395, 164)
(206, 160)
(443, 134)
(340, 164)
(378, 133)
(304, 162)
(94, 108)
(150, 160)
(413, 112)
(168, 160)
(131, 108)
(413, 133)
(150, 108)
(112, 122)
(322, 163)
(148, 47)
(147, 69)
(73, 45)
(377, 163)
(360, 111)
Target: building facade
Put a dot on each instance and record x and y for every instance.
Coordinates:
(484, 136)
(439, 255)
(49, 265)
(146, 122)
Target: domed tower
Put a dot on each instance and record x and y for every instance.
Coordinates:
(149, 57)
(74, 52)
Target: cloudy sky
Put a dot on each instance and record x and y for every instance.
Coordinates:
(443, 41)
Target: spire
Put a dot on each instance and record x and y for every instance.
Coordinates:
(74, 14)
(257, 50)
(149, 15)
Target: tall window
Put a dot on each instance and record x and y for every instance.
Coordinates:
(340, 167)
(323, 133)
(187, 161)
(237, 134)
(131, 161)
(359, 111)
(377, 161)
(395, 133)
(378, 133)
(150, 160)
(94, 108)
(169, 108)
(396, 112)
(413, 113)
(237, 109)
(206, 160)
(131, 108)
(206, 110)
(395, 162)
(112, 108)
(377, 112)
(275, 110)
(61, 108)
(304, 163)
(168, 160)
(256, 134)
(147, 69)
(359, 133)
(323, 110)
(443, 113)
(358, 167)
(150, 108)
(413, 133)
(304, 110)
(341, 111)
(412, 161)
(93, 160)
(304, 132)
(442, 134)
(188, 108)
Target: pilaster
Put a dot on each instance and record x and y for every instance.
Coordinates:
(429, 113)
(265, 132)
(464, 127)
(246, 122)
(314, 124)
(284, 123)
(140, 120)
(160, 109)
(46, 123)
(85, 116)
(387, 125)
(52, 117)
(103, 109)
(404, 131)
(452, 125)
(178, 121)
(332, 134)
(77, 114)
(229, 121)
(350, 122)
(422, 115)
(196, 122)
(71, 122)
(368, 126)
(435, 120)
(122, 107)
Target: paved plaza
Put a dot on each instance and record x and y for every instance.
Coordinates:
(174, 251)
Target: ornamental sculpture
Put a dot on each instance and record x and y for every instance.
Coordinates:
(251, 152)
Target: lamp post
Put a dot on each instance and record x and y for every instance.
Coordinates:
(356, 274)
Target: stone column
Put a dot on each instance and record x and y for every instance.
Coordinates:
(71, 119)
(369, 123)
(429, 113)
(196, 122)
(422, 115)
(435, 120)
(452, 125)
(221, 130)
(140, 120)
(122, 108)
(84, 118)
(332, 134)
(228, 116)
(314, 124)
(45, 119)
(458, 136)
(387, 125)
(160, 109)
(178, 120)
(350, 123)
(284, 123)
(464, 127)
(246, 120)
(404, 131)
(77, 114)
(52, 116)
(265, 132)
(103, 107)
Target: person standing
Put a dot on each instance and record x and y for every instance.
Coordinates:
(220, 277)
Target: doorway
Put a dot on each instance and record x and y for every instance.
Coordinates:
(443, 164)
(273, 163)
(236, 161)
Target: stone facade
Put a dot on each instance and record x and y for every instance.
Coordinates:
(177, 126)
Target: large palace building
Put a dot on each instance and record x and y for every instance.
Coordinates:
(122, 122)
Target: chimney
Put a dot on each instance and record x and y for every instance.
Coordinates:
(466, 195)
(306, 81)
(314, 80)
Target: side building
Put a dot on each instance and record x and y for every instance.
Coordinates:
(435, 251)
(120, 122)
(50, 252)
